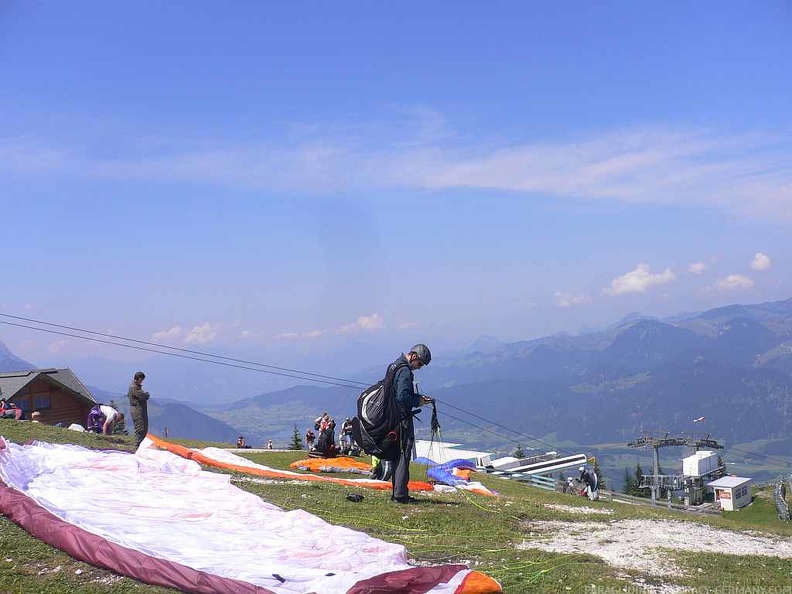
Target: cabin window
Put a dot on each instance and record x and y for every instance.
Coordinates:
(42, 401)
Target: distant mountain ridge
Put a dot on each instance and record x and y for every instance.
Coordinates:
(177, 418)
(10, 362)
(731, 364)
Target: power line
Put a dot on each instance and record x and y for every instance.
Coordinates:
(165, 346)
(774, 462)
(530, 437)
(779, 462)
(235, 363)
(151, 350)
(232, 362)
(450, 416)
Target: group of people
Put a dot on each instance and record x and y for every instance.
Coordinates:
(324, 444)
(325, 426)
(407, 399)
(103, 418)
(589, 481)
(9, 410)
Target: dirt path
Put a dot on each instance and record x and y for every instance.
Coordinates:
(634, 544)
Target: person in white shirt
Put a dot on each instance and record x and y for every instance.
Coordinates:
(112, 416)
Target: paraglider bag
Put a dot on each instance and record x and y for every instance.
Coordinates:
(377, 426)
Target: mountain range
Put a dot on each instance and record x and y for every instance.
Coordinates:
(731, 365)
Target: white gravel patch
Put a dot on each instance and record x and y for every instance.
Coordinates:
(262, 481)
(571, 509)
(635, 544)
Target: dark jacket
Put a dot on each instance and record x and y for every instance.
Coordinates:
(138, 399)
(589, 478)
(406, 396)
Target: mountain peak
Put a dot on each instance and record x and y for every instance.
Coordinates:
(484, 343)
(10, 362)
(631, 318)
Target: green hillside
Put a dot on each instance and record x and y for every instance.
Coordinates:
(501, 537)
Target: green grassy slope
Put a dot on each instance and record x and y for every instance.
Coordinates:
(443, 528)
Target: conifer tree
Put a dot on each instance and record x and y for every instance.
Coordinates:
(601, 481)
(296, 441)
(518, 453)
(629, 482)
(638, 477)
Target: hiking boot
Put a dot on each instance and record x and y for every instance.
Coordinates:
(406, 499)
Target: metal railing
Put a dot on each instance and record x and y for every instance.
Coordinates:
(779, 495)
(535, 480)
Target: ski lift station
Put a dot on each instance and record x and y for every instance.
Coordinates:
(702, 472)
(731, 492)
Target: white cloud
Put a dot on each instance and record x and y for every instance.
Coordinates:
(734, 282)
(639, 280)
(697, 268)
(57, 346)
(372, 322)
(364, 323)
(201, 334)
(315, 333)
(287, 336)
(569, 300)
(760, 262)
(406, 325)
(171, 334)
(311, 334)
(657, 165)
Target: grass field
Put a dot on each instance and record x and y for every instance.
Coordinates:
(485, 533)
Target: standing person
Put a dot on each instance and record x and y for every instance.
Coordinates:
(138, 406)
(320, 422)
(589, 478)
(346, 436)
(309, 438)
(407, 399)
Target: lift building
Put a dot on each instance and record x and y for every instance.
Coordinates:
(697, 470)
(731, 492)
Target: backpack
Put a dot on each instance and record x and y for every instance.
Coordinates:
(376, 427)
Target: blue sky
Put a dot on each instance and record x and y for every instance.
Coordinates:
(293, 177)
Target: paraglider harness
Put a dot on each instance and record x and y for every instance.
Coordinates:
(380, 425)
(96, 419)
